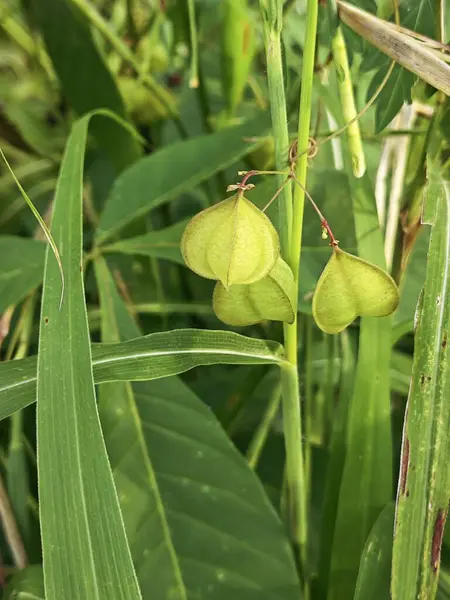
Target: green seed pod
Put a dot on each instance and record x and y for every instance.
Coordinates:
(270, 298)
(238, 50)
(351, 287)
(232, 241)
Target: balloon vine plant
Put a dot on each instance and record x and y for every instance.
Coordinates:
(235, 243)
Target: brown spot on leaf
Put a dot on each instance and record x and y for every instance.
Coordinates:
(46, 320)
(444, 341)
(422, 379)
(436, 543)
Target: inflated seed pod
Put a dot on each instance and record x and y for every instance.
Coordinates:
(233, 242)
(270, 298)
(351, 287)
(238, 50)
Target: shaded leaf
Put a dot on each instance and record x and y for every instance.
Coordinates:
(374, 577)
(26, 585)
(85, 79)
(163, 175)
(164, 243)
(21, 268)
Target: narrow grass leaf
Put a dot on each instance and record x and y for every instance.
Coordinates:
(154, 557)
(424, 486)
(163, 175)
(149, 357)
(40, 220)
(374, 575)
(366, 485)
(73, 51)
(85, 550)
(21, 268)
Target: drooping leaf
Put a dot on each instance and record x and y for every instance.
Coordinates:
(164, 243)
(85, 550)
(232, 241)
(149, 357)
(84, 76)
(351, 287)
(21, 268)
(269, 298)
(163, 175)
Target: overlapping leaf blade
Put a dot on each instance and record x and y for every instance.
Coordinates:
(149, 357)
(21, 265)
(424, 486)
(159, 177)
(85, 550)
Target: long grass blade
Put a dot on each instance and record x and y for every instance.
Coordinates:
(85, 550)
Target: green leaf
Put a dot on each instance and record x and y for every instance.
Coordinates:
(411, 285)
(26, 585)
(163, 175)
(351, 287)
(21, 268)
(374, 577)
(164, 243)
(149, 357)
(424, 486)
(269, 298)
(177, 474)
(85, 550)
(366, 485)
(418, 16)
(73, 51)
(232, 241)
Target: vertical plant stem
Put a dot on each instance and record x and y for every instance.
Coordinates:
(193, 78)
(292, 404)
(291, 221)
(258, 441)
(273, 19)
(348, 103)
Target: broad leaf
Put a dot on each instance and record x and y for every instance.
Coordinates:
(164, 243)
(163, 175)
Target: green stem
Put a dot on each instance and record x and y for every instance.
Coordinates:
(279, 124)
(193, 79)
(348, 103)
(258, 441)
(292, 407)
